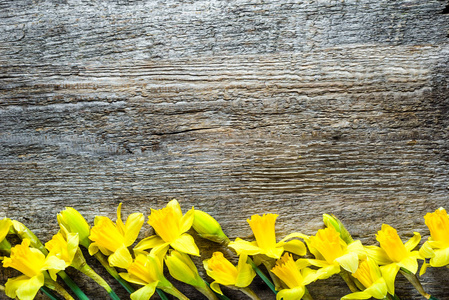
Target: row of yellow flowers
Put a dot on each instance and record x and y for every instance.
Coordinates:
(369, 271)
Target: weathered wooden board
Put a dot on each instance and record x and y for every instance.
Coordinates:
(236, 107)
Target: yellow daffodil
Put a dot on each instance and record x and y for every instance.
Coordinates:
(147, 270)
(207, 227)
(182, 268)
(293, 277)
(74, 222)
(370, 280)
(331, 253)
(393, 254)
(33, 264)
(263, 228)
(225, 273)
(113, 240)
(437, 246)
(170, 226)
(62, 248)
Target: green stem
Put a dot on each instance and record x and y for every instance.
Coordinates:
(161, 294)
(113, 272)
(262, 276)
(72, 285)
(86, 269)
(47, 291)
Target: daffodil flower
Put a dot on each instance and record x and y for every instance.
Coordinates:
(332, 253)
(225, 273)
(263, 228)
(370, 280)
(182, 268)
(170, 226)
(437, 246)
(113, 240)
(147, 270)
(64, 245)
(33, 264)
(393, 254)
(293, 277)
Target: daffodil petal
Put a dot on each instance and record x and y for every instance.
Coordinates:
(349, 262)
(23, 287)
(309, 275)
(357, 296)
(246, 273)
(378, 290)
(316, 262)
(291, 294)
(378, 254)
(441, 258)
(132, 279)
(186, 244)
(13, 284)
(413, 242)
(93, 248)
(296, 247)
(215, 286)
(409, 263)
(423, 268)
(148, 243)
(160, 250)
(294, 235)
(5, 224)
(187, 220)
(54, 263)
(242, 246)
(120, 258)
(145, 292)
(358, 248)
(426, 250)
(389, 273)
(133, 225)
(119, 222)
(327, 271)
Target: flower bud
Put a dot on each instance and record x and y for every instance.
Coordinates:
(207, 227)
(332, 221)
(74, 222)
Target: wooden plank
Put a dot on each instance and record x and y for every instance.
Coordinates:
(236, 108)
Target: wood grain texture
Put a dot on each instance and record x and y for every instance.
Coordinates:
(235, 107)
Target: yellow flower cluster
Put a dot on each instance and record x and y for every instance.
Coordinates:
(291, 263)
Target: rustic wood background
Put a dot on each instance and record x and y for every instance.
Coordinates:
(235, 107)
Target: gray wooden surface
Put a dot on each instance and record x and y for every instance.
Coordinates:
(235, 107)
